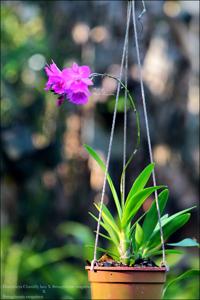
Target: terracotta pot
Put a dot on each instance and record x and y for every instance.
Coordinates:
(126, 282)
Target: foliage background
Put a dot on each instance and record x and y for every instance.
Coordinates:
(48, 183)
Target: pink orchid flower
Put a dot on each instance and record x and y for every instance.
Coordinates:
(70, 83)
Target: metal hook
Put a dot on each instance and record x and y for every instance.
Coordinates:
(143, 11)
(139, 17)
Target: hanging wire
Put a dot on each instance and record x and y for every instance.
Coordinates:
(163, 263)
(143, 11)
(94, 261)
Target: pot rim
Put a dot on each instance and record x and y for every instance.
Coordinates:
(137, 269)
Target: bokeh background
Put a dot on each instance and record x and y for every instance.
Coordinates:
(48, 182)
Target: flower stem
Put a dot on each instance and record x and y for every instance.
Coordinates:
(137, 124)
(124, 249)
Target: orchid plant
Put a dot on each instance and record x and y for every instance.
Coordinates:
(132, 238)
(139, 238)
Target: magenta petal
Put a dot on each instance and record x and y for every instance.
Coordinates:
(48, 71)
(58, 89)
(55, 69)
(52, 70)
(78, 98)
(75, 67)
(87, 81)
(78, 86)
(66, 72)
(85, 71)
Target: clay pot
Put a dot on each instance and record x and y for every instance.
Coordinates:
(126, 282)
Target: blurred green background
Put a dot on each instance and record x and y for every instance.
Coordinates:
(48, 183)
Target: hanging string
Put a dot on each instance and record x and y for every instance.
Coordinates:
(163, 263)
(94, 261)
(143, 11)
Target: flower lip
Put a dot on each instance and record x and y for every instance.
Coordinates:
(79, 97)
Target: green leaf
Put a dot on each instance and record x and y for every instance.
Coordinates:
(138, 234)
(140, 218)
(79, 231)
(167, 220)
(185, 243)
(96, 219)
(101, 164)
(163, 218)
(187, 274)
(12, 267)
(109, 229)
(141, 181)
(39, 260)
(134, 224)
(108, 218)
(168, 251)
(151, 217)
(169, 229)
(104, 236)
(134, 204)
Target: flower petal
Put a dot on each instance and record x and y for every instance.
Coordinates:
(85, 71)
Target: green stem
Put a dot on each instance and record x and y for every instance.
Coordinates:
(138, 129)
(124, 248)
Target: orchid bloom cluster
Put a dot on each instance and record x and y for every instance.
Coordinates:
(70, 84)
